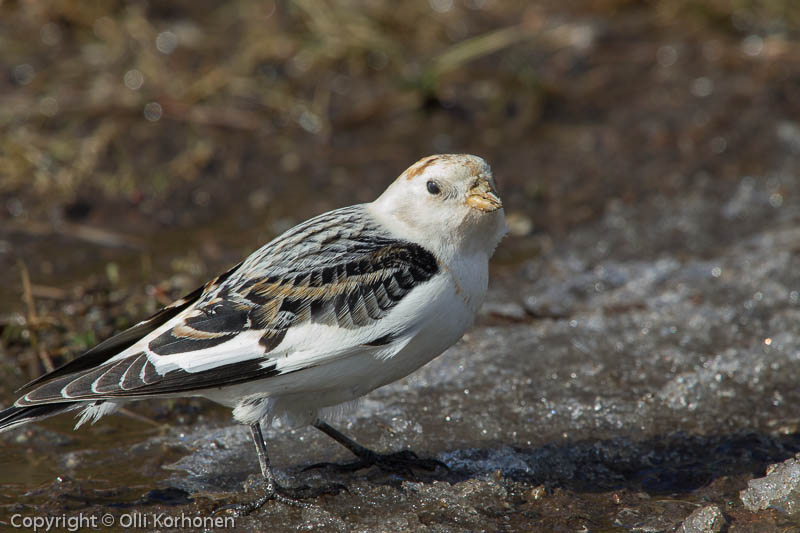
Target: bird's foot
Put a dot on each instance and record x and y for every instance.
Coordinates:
(273, 492)
(403, 463)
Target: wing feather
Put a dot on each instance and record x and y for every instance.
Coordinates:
(134, 377)
(116, 344)
(339, 271)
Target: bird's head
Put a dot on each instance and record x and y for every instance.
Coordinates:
(448, 202)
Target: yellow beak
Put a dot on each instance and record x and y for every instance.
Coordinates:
(482, 197)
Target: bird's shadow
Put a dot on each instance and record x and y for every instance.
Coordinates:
(675, 463)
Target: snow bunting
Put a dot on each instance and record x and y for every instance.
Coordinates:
(335, 307)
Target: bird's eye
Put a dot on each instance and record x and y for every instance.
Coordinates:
(433, 188)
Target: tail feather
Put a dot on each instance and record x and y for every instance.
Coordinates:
(16, 416)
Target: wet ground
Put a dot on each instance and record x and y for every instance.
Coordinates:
(635, 365)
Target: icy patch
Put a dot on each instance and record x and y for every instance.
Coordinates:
(220, 460)
(779, 489)
(512, 463)
(469, 496)
(708, 519)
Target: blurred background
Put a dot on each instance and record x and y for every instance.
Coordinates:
(144, 140)
(145, 146)
(147, 140)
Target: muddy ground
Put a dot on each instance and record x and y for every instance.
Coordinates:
(637, 358)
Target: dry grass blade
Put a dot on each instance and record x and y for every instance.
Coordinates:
(32, 322)
(479, 46)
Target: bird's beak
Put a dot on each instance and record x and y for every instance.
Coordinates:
(482, 197)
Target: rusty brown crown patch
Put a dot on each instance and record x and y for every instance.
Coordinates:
(419, 167)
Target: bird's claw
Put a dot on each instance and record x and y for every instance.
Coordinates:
(286, 495)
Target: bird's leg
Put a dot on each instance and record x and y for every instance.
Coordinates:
(273, 491)
(397, 463)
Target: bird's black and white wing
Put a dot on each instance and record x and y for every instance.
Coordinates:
(317, 293)
(107, 349)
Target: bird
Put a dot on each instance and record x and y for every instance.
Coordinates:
(333, 308)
